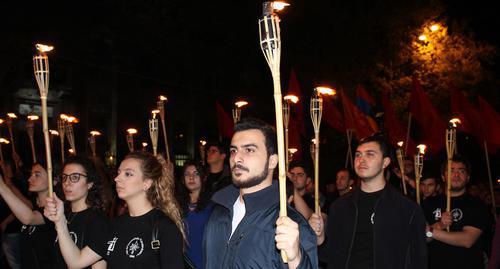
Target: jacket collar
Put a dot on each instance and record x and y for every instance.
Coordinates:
(259, 200)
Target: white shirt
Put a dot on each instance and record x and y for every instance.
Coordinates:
(238, 214)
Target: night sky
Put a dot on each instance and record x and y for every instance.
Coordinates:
(196, 52)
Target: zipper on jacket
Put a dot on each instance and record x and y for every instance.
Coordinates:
(353, 235)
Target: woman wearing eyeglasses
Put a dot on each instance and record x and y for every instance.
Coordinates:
(37, 234)
(194, 199)
(149, 236)
(83, 191)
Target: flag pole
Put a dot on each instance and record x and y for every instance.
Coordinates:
(492, 192)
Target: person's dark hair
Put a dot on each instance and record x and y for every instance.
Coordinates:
(220, 147)
(457, 159)
(266, 129)
(303, 165)
(381, 141)
(95, 197)
(349, 171)
(183, 192)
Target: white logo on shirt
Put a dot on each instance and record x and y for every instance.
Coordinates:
(134, 247)
(111, 245)
(73, 236)
(31, 229)
(456, 214)
(372, 218)
(437, 214)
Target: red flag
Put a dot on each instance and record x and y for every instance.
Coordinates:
(365, 103)
(490, 125)
(467, 113)
(294, 140)
(395, 130)
(355, 119)
(332, 115)
(297, 110)
(432, 126)
(225, 122)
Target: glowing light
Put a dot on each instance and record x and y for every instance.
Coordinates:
(313, 141)
(132, 131)
(1, 121)
(71, 119)
(144, 144)
(241, 103)
(292, 98)
(71, 151)
(455, 122)
(292, 150)
(63, 117)
(44, 48)
(400, 143)
(154, 112)
(163, 98)
(4, 141)
(33, 117)
(278, 5)
(422, 38)
(325, 90)
(434, 27)
(12, 115)
(203, 142)
(95, 133)
(421, 148)
(53, 132)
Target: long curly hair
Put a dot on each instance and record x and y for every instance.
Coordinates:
(96, 194)
(161, 192)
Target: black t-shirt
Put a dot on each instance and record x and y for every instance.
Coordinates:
(87, 227)
(362, 249)
(128, 243)
(465, 211)
(38, 249)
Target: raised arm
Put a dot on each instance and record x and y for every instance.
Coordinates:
(22, 212)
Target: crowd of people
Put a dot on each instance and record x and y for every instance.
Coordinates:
(225, 214)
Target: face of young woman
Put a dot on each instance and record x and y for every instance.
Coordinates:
(38, 181)
(130, 181)
(192, 179)
(74, 182)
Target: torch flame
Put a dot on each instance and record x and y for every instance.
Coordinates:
(203, 142)
(12, 115)
(71, 119)
(455, 122)
(71, 151)
(421, 148)
(278, 5)
(144, 144)
(132, 131)
(163, 98)
(44, 48)
(241, 103)
(63, 117)
(434, 27)
(292, 150)
(54, 132)
(1, 121)
(154, 112)
(400, 143)
(422, 38)
(95, 133)
(313, 141)
(292, 98)
(33, 117)
(325, 90)
(4, 141)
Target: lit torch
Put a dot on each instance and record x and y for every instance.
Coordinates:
(69, 133)
(419, 166)
(401, 163)
(237, 110)
(161, 108)
(93, 134)
(130, 138)
(451, 140)
(203, 143)
(30, 129)
(286, 120)
(153, 131)
(2, 141)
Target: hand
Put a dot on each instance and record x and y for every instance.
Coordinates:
(7, 171)
(54, 210)
(446, 220)
(317, 224)
(290, 199)
(287, 239)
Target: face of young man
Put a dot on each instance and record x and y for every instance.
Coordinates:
(459, 176)
(369, 162)
(214, 155)
(342, 180)
(250, 165)
(299, 177)
(428, 187)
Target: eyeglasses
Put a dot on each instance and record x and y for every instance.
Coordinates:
(73, 178)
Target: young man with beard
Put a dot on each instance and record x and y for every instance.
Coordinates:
(245, 230)
(374, 226)
(461, 247)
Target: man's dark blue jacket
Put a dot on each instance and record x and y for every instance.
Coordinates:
(252, 244)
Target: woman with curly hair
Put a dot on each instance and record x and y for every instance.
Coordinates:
(194, 198)
(149, 236)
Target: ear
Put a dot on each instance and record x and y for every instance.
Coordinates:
(386, 161)
(308, 180)
(89, 185)
(273, 161)
(147, 184)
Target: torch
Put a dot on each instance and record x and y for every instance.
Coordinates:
(451, 140)
(130, 138)
(10, 118)
(61, 127)
(237, 110)
(153, 131)
(203, 143)
(270, 43)
(30, 129)
(291, 151)
(2, 141)
(69, 133)
(144, 146)
(161, 107)
(41, 69)
(286, 120)
(419, 166)
(312, 148)
(93, 134)
(401, 163)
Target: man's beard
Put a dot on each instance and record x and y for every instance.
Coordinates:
(253, 181)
